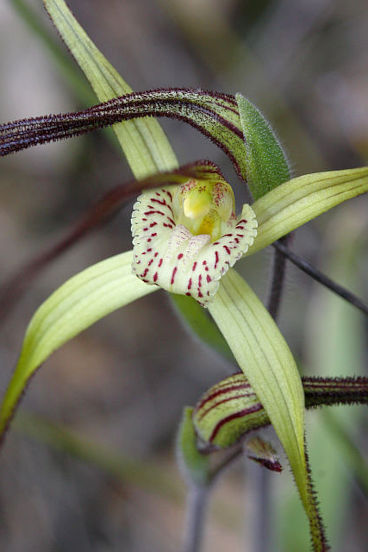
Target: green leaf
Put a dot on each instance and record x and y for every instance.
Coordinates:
(76, 305)
(194, 465)
(266, 360)
(144, 143)
(296, 202)
(266, 163)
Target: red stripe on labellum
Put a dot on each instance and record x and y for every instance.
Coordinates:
(175, 269)
(216, 258)
(154, 212)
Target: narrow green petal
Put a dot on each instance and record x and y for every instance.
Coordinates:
(143, 141)
(266, 360)
(266, 162)
(76, 305)
(294, 203)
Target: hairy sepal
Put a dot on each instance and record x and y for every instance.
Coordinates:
(266, 163)
(266, 360)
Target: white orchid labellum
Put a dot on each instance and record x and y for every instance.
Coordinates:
(186, 237)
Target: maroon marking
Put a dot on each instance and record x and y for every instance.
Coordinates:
(149, 240)
(175, 269)
(154, 212)
(239, 414)
(180, 256)
(227, 249)
(200, 280)
(226, 236)
(240, 235)
(200, 294)
(155, 255)
(236, 240)
(151, 261)
(215, 243)
(190, 283)
(194, 266)
(159, 201)
(168, 225)
(169, 194)
(153, 224)
(225, 388)
(208, 278)
(189, 294)
(216, 258)
(145, 229)
(154, 234)
(171, 220)
(145, 273)
(155, 276)
(222, 401)
(160, 263)
(204, 263)
(149, 250)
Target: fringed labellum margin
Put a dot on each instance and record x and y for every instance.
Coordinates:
(186, 238)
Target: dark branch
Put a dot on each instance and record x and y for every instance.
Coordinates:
(317, 275)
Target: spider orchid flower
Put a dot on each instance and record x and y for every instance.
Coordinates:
(187, 234)
(185, 239)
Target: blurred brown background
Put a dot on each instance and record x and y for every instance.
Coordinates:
(122, 384)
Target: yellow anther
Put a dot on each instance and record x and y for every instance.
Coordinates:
(203, 206)
(197, 203)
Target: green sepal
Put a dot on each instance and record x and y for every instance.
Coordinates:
(76, 305)
(302, 199)
(143, 141)
(266, 163)
(266, 360)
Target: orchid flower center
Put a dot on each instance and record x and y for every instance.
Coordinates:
(186, 237)
(202, 206)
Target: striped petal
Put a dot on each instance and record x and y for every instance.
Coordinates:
(168, 255)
